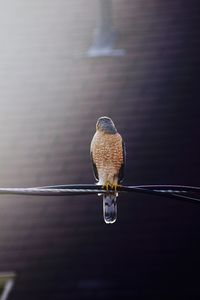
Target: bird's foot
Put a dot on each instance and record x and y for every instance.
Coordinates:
(115, 187)
(107, 186)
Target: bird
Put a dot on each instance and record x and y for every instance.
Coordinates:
(108, 156)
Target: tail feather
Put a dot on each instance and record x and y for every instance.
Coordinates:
(110, 208)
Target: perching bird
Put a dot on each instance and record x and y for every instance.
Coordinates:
(108, 158)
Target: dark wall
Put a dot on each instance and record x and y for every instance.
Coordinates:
(51, 96)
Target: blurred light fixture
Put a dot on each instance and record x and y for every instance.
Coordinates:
(104, 35)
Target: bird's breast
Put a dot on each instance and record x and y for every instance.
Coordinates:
(107, 150)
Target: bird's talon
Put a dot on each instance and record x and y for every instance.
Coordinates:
(106, 186)
(115, 187)
(109, 186)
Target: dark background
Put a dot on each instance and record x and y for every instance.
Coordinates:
(51, 94)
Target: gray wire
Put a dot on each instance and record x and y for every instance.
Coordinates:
(47, 192)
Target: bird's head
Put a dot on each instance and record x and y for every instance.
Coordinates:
(106, 125)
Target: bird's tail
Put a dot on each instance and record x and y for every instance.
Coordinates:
(110, 207)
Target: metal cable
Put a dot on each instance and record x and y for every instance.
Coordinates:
(190, 193)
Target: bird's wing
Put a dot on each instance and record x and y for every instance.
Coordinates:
(121, 171)
(95, 172)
